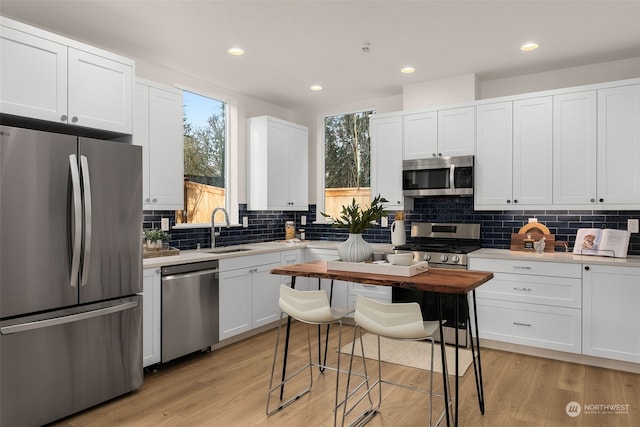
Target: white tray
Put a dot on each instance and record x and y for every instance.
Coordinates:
(386, 268)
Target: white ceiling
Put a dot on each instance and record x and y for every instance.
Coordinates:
(292, 44)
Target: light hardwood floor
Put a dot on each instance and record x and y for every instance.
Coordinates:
(228, 387)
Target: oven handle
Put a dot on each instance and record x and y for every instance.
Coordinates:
(452, 177)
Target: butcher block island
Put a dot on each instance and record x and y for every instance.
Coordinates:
(441, 280)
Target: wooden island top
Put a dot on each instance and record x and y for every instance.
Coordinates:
(442, 280)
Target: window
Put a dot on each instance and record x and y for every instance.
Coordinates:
(205, 145)
(347, 161)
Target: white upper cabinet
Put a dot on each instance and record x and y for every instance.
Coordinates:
(574, 148)
(493, 162)
(42, 94)
(456, 131)
(277, 167)
(386, 160)
(442, 133)
(47, 77)
(619, 146)
(513, 154)
(420, 135)
(158, 129)
(532, 151)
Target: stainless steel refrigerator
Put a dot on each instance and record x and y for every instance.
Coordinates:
(70, 269)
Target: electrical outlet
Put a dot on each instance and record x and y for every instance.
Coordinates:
(632, 225)
(533, 220)
(245, 221)
(303, 220)
(164, 224)
(384, 221)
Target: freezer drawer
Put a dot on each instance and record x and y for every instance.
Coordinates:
(56, 364)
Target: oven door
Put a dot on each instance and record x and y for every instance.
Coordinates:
(429, 308)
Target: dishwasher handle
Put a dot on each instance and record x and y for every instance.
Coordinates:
(198, 273)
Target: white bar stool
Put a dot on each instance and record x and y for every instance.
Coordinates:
(401, 321)
(312, 308)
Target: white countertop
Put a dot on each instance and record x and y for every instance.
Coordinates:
(189, 256)
(566, 257)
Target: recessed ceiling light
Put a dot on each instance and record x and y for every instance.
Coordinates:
(236, 51)
(315, 87)
(408, 70)
(529, 46)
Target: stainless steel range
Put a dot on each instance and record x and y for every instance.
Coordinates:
(444, 245)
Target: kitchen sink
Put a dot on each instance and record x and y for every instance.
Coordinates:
(225, 250)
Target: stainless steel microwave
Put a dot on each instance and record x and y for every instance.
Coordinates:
(440, 176)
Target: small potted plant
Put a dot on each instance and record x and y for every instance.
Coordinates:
(356, 220)
(154, 238)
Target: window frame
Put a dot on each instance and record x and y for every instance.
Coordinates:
(320, 162)
(231, 157)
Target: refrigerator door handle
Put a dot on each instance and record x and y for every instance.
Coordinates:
(86, 185)
(76, 232)
(29, 326)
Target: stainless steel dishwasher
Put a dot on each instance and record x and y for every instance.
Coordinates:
(189, 308)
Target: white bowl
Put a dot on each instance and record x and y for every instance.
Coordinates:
(400, 259)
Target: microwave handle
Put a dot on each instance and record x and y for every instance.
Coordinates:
(452, 176)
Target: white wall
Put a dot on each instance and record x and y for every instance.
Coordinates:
(244, 106)
(316, 138)
(433, 93)
(454, 90)
(567, 77)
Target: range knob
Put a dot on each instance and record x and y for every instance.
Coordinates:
(427, 257)
(455, 259)
(444, 258)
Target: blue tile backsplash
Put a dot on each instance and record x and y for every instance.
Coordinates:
(496, 226)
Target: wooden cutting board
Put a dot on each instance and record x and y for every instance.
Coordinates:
(534, 228)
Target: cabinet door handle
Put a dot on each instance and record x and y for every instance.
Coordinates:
(63, 118)
(521, 267)
(74, 119)
(587, 268)
(521, 324)
(601, 200)
(521, 289)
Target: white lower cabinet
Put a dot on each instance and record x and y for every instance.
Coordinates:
(380, 293)
(248, 293)
(151, 321)
(611, 314)
(555, 328)
(294, 256)
(340, 295)
(531, 303)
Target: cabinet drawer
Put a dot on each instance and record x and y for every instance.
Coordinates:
(292, 257)
(539, 268)
(555, 328)
(372, 291)
(556, 291)
(246, 261)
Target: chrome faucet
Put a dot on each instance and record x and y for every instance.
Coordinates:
(213, 227)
